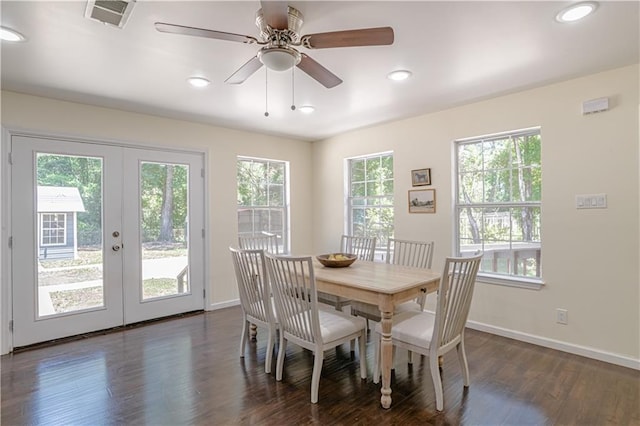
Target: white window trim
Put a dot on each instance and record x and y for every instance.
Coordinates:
(286, 238)
(484, 277)
(348, 223)
(42, 229)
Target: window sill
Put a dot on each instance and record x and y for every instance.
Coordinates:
(531, 284)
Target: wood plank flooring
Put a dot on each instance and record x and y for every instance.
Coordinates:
(187, 371)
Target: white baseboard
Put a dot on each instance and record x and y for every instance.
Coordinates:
(558, 345)
(222, 305)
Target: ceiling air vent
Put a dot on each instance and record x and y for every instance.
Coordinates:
(111, 12)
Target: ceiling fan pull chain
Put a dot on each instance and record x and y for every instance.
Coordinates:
(293, 90)
(266, 92)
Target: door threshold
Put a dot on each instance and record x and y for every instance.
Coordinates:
(61, 340)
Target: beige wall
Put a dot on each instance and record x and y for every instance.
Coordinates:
(49, 116)
(590, 257)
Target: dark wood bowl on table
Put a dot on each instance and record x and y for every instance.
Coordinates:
(336, 260)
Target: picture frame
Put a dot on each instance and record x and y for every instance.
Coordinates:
(422, 201)
(421, 177)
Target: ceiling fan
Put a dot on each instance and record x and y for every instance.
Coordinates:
(279, 26)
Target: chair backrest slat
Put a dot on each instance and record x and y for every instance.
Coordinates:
(253, 286)
(294, 289)
(418, 254)
(363, 247)
(454, 297)
(265, 241)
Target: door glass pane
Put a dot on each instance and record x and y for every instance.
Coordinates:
(69, 233)
(165, 229)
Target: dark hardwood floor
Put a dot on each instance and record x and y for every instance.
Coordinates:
(187, 371)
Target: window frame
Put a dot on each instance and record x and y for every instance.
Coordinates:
(349, 199)
(284, 239)
(458, 208)
(43, 229)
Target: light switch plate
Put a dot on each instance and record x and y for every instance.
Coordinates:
(591, 201)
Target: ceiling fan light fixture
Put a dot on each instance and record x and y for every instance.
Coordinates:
(399, 75)
(576, 11)
(279, 58)
(7, 34)
(306, 109)
(198, 82)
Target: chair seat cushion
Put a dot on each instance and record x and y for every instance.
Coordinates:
(335, 325)
(413, 327)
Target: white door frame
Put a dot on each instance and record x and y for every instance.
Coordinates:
(6, 133)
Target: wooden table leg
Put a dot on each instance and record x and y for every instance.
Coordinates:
(386, 349)
(253, 331)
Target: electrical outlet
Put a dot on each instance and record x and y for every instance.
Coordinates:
(562, 316)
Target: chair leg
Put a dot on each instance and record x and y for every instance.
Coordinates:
(270, 344)
(363, 354)
(410, 357)
(280, 360)
(243, 337)
(437, 382)
(462, 356)
(315, 377)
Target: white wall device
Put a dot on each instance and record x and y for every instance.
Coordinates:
(595, 105)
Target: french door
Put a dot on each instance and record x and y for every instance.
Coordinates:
(102, 236)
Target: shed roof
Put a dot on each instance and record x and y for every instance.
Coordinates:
(59, 199)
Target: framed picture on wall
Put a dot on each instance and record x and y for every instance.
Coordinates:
(422, 201)
(421, 177)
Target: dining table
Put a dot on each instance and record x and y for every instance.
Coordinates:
(382, 284)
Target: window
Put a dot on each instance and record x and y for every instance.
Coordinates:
(53, 229)
(263, 198)
(370, 198)
(498, 204)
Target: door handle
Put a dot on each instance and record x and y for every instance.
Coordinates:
(115, 247)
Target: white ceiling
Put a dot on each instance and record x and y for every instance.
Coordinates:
(459, 52)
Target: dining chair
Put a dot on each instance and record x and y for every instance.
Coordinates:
(365, 249)
(265, 241)
(255, 298)
(303, 321)
(417, 254)
(435, 334)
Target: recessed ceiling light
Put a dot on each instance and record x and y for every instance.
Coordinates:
(7, 34)
(306, 109)
(576, 11)
(399, 75)
(198, 81)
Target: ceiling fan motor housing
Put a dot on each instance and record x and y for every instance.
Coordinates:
(286, 36)
(278, 55)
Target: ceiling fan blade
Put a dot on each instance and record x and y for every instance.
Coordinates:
(245, 71)
(200, 32)
(318, 72)
(276, 14)
(381, 36)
